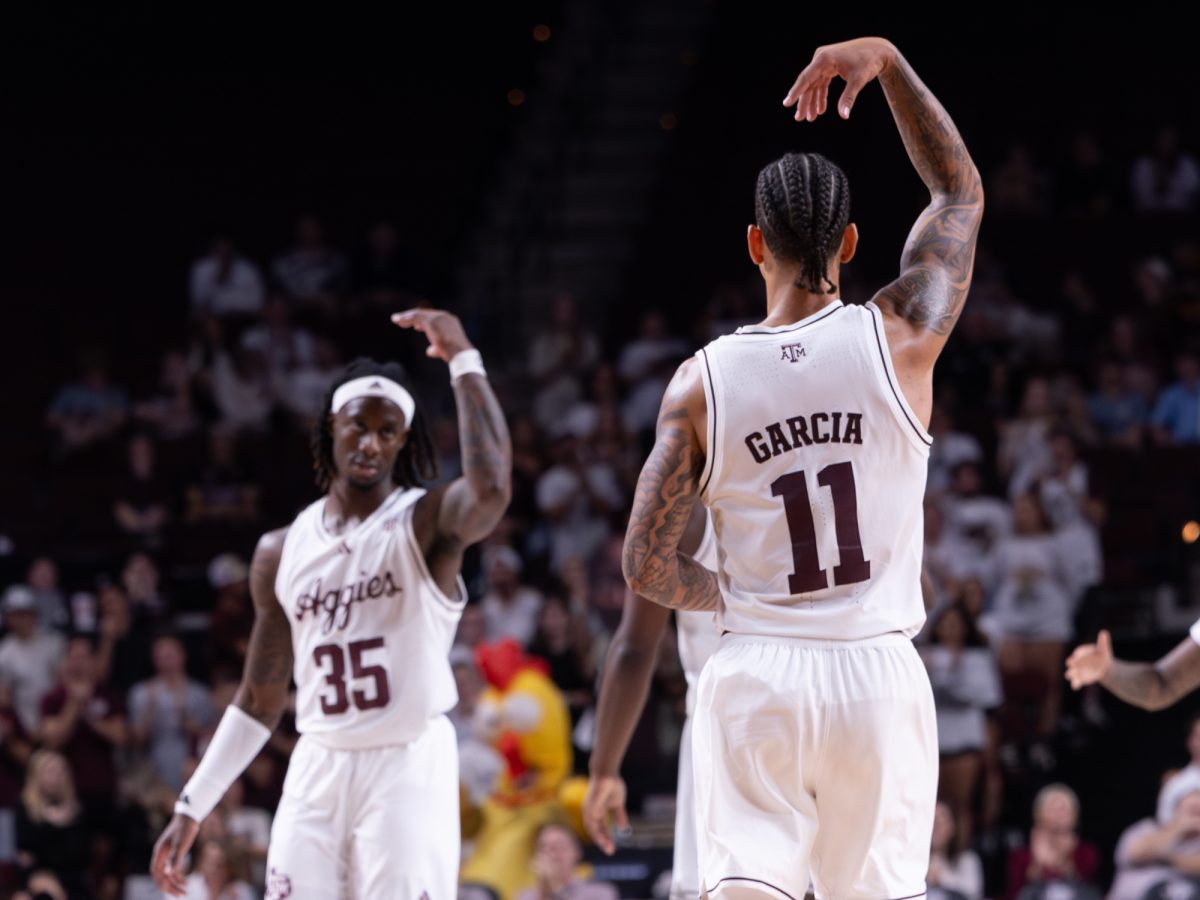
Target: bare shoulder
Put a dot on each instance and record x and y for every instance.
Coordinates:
(264, 565)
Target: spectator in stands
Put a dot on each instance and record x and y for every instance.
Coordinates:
(225, 283)
(42, 578)
(575, 499)
(29, 656)
(1117, 411)
(966, 687)
(1176, 416)
(1087, 184)
(1176, 784)
(1019, 185)
(1025, 440)
(87, 411)
(169, 712)
(84, 720)
(1055, 852)
(472, 627)
(973, 524)
(510, 607)
(51, 832)
(312, 270)
(1167, 179)
(559, 357)
(654, 344)
(171, 409)
(951, 448)
(242, 388)
(226, 490)
(42, 885)
(232, 612)
(125, 638)
(1033, 609)
(953, 866)
(143, 585)
(303, 389)
(142, 506)
(283, 345)
(220, 874)
(15, 750)
(562, 640)
(1153, 850)
(249, 829)
(556, 859)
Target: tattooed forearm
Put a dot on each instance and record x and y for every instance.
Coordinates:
(1158, 685)
(666, 491)
(930, 137)
(268, 673)
(939, 255)
(483, 436)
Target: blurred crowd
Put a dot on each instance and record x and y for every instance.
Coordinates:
(115, 663)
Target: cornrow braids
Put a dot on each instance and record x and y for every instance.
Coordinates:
(802, 207)
(416, 461)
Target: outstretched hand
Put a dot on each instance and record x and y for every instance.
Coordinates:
(856, 62)
(444, 330)
(1089, 663)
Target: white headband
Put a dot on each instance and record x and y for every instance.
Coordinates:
(376, 386)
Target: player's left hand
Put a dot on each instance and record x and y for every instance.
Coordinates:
(444, 330)
(605, 796)
(857, 62)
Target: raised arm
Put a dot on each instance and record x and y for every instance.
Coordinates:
(245, 727)
(624, 686)
(471, 506)
(922, 306)
(1152, 686)
(666, 491)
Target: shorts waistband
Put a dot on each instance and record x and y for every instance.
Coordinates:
(890, 639)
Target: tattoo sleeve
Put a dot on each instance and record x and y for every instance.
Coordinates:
(940, 252)
(666, 490)
(1158, 685)
(268, 673)
(473, 506)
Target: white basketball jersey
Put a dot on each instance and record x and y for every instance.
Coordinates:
(371, 631)
(815, 478)
(697, 630)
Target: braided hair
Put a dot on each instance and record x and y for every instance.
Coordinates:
(416, 461)
(802, 207)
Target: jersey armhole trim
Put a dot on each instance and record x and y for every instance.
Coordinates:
(423, 572)
(710, 401)
(904, 411)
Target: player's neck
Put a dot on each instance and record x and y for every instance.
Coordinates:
(787, 303)
(347, 504)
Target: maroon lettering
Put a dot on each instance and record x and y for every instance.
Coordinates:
(758, 448)
(333, 608)
(819, 437)
(853, 433)
(335, 677)
(837, 428)
(779, 443)
(799, 429)
(807, 575)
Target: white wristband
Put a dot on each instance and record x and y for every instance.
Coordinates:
(466, 362)
(234, 745)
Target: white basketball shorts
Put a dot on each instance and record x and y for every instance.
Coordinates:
(814, 760)
(369, 824)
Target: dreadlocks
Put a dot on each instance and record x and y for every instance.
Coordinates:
(802, 206)
(416, 461)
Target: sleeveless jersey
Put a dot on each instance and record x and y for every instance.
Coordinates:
(697, 629)
(815, 479)
(371, 631)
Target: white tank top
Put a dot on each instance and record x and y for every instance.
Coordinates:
(371, 631)
(815, 478)
(698, 630)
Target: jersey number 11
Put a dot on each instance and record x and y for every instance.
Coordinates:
(808, 575)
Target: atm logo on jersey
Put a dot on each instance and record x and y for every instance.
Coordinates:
(792, 352)
(333, 608)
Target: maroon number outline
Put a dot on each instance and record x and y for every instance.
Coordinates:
(807, 575)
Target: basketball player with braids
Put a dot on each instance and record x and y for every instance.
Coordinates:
(814, 739)
(358, 600)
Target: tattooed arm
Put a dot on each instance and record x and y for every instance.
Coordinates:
(920, 307)
(264, 689)
(1151, 686)
(237, 740)
(466, 510)
(666, 491)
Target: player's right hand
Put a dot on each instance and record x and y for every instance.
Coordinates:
(857, 62)
(605, 796)
(170, 852)
(1089, 663)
